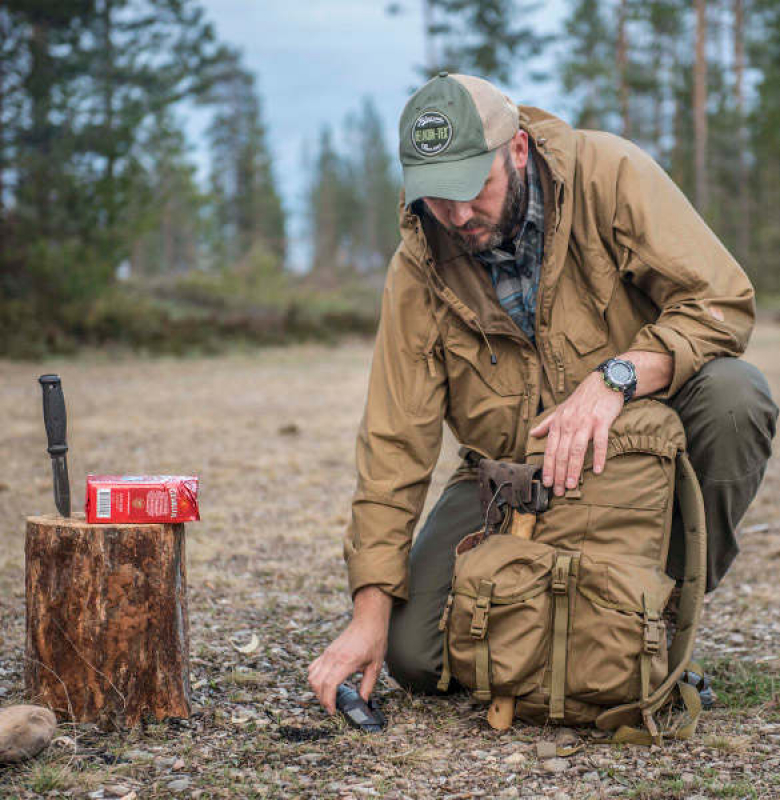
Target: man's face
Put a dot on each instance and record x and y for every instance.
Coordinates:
(493, 215)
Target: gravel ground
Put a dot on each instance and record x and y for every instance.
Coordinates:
(271, 435)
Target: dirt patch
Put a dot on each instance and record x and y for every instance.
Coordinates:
(271, 436)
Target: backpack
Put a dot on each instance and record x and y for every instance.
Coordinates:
(569, 623)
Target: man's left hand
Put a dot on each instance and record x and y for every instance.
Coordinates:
(588, 413)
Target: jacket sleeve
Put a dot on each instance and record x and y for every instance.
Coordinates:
(400, 434)
(664, 248)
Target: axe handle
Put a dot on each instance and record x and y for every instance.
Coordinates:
(502, 707)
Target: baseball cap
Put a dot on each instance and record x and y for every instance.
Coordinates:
(449, 133)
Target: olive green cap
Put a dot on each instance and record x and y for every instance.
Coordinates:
(449, 133)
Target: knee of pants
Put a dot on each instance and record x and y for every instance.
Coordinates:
(737, 398)
(410, 658)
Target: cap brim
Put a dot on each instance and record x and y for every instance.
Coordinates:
(451, 180)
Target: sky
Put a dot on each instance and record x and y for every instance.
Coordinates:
(315, 61)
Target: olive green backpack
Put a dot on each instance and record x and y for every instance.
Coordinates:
(570, 622)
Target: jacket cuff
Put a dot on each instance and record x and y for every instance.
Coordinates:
(660, 339)
(382, 566)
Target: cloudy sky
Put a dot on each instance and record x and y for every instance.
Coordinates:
(316, 59)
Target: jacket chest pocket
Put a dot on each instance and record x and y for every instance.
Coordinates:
(470, 363)
(584, 300)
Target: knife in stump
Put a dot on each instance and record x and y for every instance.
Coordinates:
(56, 422)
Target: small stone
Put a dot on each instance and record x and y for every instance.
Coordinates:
(561, 796)
(178, 765)
(566, 737)
(555, 765)
(96, 795)
(139, 755)
(591, 776)
(688, 778)
(25, 730)
(116, 789)
(546, 749)
(515, 758)
(510, 793)
(179, 785)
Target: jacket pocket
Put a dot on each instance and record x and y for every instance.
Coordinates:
(469, 359)
(499, 624)
(616, 625)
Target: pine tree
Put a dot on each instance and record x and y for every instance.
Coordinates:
(483, 37)
(247, 206)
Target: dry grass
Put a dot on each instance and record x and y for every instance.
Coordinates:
(271, 435)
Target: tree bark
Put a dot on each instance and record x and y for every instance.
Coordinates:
(743, 203)
(700, 107)
(107, 622)
(622, 67)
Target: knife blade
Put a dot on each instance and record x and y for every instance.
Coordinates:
(55, 419)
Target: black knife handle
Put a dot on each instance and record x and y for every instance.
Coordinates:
(54, 415)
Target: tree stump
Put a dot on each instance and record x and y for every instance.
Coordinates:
(107, 623)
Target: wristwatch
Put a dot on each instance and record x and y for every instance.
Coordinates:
(619, 375)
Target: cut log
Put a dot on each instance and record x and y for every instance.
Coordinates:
(107, 622)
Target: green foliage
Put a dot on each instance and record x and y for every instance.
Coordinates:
(245, 205)
(743, 684)
(483, 37)
(353, 200)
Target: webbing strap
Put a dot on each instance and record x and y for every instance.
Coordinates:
(446, 673)
(479, 626)
(482, 664)
(683, 726)
(560, 589)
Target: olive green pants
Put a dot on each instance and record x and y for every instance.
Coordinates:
(729, 419)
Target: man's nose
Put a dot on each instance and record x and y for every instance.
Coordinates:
(460, 213)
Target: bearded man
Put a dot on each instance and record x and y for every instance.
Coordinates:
(539, 266)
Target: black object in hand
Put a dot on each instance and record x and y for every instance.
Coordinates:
(358, 713)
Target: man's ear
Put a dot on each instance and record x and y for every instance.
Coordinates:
(518, 147)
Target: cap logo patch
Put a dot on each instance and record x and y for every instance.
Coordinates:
(431, 133)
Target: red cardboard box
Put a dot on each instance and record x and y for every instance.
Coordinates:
(142, 498)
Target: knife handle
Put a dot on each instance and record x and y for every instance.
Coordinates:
(54, 415)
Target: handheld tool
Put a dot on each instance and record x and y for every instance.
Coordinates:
(56, 422)
(358, 713)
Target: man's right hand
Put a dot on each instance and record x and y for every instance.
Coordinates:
(360, 647)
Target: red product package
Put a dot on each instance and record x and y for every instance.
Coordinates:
(142, 498)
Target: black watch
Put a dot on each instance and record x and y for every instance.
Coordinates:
(619, 375)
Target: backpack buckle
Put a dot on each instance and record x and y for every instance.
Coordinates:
(479, 620)
(560, 577)
(653, 632)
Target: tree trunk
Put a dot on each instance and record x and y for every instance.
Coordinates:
(700, 107)
(107, 623)
(743, 201)
(622, 67)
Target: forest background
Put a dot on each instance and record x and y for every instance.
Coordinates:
(109, 234)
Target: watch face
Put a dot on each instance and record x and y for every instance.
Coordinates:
(620, 373)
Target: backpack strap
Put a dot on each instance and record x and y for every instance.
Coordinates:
(691, 601)
(560, 591)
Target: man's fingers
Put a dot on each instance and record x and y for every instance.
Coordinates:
(542, 428)
(550, 449)
(370, 675)
(561, 463)
(579, 446)
(600, 442)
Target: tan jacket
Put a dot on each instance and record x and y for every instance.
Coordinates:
(628, 265)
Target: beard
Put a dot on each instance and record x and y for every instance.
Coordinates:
(507, 221)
